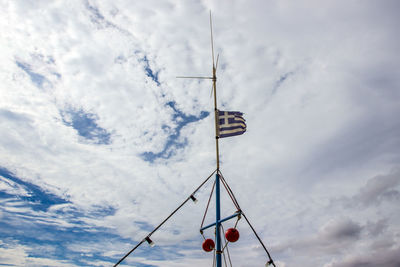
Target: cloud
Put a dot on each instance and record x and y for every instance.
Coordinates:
(341, 230)
(174, 141)
(389, 258)
(14, 254)
(376, 229)
(377, 191)
(351, 229)
(102, 141)
(379, 188)
(335, 236)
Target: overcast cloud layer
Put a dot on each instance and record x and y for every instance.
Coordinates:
(99, 141)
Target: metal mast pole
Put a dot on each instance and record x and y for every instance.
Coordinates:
(217, 176)
(217, 179)
(214, 79)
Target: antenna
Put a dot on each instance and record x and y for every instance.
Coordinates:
(212, 41)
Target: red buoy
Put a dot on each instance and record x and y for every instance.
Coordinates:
(208, 245)
(232, 235)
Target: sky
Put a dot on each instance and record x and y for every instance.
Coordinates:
(100, 142)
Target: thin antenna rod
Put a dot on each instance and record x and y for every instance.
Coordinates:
(193, 77)
(214, 79)
(212, 41)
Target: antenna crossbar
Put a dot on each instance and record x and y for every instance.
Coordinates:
(193, 77)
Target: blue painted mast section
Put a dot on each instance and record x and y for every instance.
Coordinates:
(217, 223)
(238, 213)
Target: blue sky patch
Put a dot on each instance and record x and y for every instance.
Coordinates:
(281, 80)
(36, 78)
(149, 71)
(85, 124)
(145, 226)
(38, 228)
(39, 198)
(173, 142)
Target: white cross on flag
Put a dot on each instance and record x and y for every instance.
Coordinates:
(230, 123)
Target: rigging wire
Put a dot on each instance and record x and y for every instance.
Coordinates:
(238, 218)
(223, 254)
(222, 250)
(208, 204)
(259, 239)
(252, 228)
(169, 216)
(209, 199)
(230, 193)
(214, 258)
(226, 245)
(234, 200)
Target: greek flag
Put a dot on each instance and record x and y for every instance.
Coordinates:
(231, 123)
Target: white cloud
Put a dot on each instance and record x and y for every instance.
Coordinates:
(318, 83)
(15, 254)
(12, 188)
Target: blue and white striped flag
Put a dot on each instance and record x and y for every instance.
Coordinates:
(231, 123)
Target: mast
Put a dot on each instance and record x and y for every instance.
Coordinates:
(217, 175)
(217, 179)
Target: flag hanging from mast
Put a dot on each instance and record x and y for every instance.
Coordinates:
(230, 123)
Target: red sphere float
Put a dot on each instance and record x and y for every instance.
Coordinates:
(232, 235)
(208, 245)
